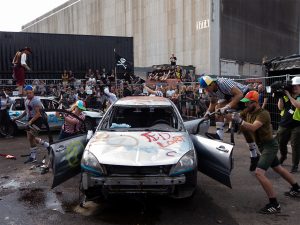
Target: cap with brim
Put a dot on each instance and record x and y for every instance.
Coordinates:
(80, 104)
(205, 81)
(251, 96)
(28, 88)
(245, 100)
(27, 49)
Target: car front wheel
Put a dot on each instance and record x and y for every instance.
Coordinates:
(187, 190)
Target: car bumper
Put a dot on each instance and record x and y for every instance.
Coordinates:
(127, 184)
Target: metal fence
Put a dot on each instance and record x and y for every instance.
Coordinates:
(272, 102)
(188, 109)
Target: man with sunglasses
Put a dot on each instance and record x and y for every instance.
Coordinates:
(258, 122)
(34, 112)
(289, 126)
(226, 94)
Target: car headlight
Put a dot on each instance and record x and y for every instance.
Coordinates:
(187, 163)
(90, 164)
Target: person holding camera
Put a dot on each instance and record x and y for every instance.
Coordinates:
(289, 126)
(258, 122)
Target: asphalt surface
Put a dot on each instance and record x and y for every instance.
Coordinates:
(26, 197)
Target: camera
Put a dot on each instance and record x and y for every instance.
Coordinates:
(278, 88)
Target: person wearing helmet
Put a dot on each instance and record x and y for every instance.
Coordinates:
(289, 125)
(34, 112)
(71, 124)
(258, 122)
(226, 94)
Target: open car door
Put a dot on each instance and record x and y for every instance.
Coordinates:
(197, 126)
(67, 155)
(214, 158)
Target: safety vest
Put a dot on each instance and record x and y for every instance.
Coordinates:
(296, 113)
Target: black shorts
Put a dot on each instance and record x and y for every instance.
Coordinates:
(38, 122)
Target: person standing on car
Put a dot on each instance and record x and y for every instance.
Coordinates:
(226, 94)
(4, 116)
(258, 122)
(289, 126)
(72, 125)
(34, 112)
(19, 67)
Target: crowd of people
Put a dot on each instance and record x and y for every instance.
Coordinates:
(255, 123)
(164, 72)
(208, 95)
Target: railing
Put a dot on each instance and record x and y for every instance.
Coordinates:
(191, 109)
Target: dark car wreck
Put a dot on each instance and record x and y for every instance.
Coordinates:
(142, 145)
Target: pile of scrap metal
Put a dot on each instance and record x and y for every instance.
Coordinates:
(283, 65)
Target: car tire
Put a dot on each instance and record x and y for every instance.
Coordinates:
(94, 194)
(89, 123)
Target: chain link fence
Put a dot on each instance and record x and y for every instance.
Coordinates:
(188, 97)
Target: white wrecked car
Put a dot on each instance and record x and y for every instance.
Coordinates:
(50, 105)
(141, 146)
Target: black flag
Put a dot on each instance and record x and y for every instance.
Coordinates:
(122, 64)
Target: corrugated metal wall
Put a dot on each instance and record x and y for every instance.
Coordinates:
(52, 53)
(253, 29)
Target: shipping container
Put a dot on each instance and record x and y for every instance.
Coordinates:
(52, 53)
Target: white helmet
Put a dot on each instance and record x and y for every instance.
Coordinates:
(296, 80)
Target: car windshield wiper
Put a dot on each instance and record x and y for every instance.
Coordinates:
(109, 129)
(156, 129)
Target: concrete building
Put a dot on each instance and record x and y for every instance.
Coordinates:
(216, 36)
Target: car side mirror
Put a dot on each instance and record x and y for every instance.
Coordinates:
(198, 126)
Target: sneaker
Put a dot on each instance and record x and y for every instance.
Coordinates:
(30, 160)
(44, 170)
(282, 159)
(253, 163)
(293, 193)
(270, 209)
(212, 136)
(294, 169)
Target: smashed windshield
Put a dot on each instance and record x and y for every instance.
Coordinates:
(137, 118)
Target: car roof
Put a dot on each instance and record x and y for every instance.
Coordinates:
(143, 101)
(40, 97)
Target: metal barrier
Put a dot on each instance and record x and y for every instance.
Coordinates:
(272, 102)
(189, 109)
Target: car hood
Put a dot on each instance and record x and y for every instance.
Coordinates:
(92, 114)
(139, 148)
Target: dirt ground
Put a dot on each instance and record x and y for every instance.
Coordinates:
(26, 197)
